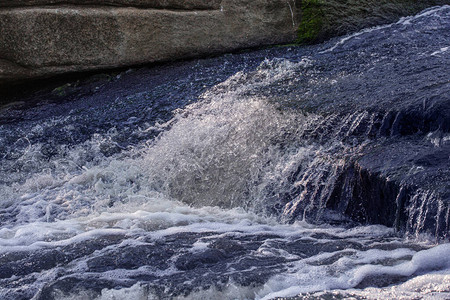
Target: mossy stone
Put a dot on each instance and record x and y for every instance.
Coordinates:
(311, 23)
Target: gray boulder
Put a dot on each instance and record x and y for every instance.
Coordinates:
(40, 38)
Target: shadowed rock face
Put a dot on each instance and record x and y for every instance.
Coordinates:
(45, 37)
(167, 4)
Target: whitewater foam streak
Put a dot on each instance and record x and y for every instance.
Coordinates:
(211, 204)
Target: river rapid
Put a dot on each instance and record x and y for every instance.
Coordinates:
(222, 178)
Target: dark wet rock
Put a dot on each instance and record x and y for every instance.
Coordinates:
(308, 248)
(71, 286)
(24, 263)
(360, 194)
(227, 246)
(195, 260)
(381, 281)
(156, 255)
(197, 270)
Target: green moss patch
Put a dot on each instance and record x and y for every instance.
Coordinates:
(61, 90)
(311, 23)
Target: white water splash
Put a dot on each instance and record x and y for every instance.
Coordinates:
(440, 51)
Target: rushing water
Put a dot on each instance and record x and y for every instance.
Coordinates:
(206, 182)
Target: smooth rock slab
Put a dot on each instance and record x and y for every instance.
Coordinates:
(42, 38)
(173, 4)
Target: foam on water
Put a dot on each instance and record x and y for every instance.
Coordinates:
(441, 51)
(215, 172)
(212, 153)
(310, 275)
(435, 285)
(207, 173)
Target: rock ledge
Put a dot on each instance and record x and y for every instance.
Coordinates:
(40, 38)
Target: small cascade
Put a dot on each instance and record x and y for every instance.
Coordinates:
(425, 211)
(276, 173)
